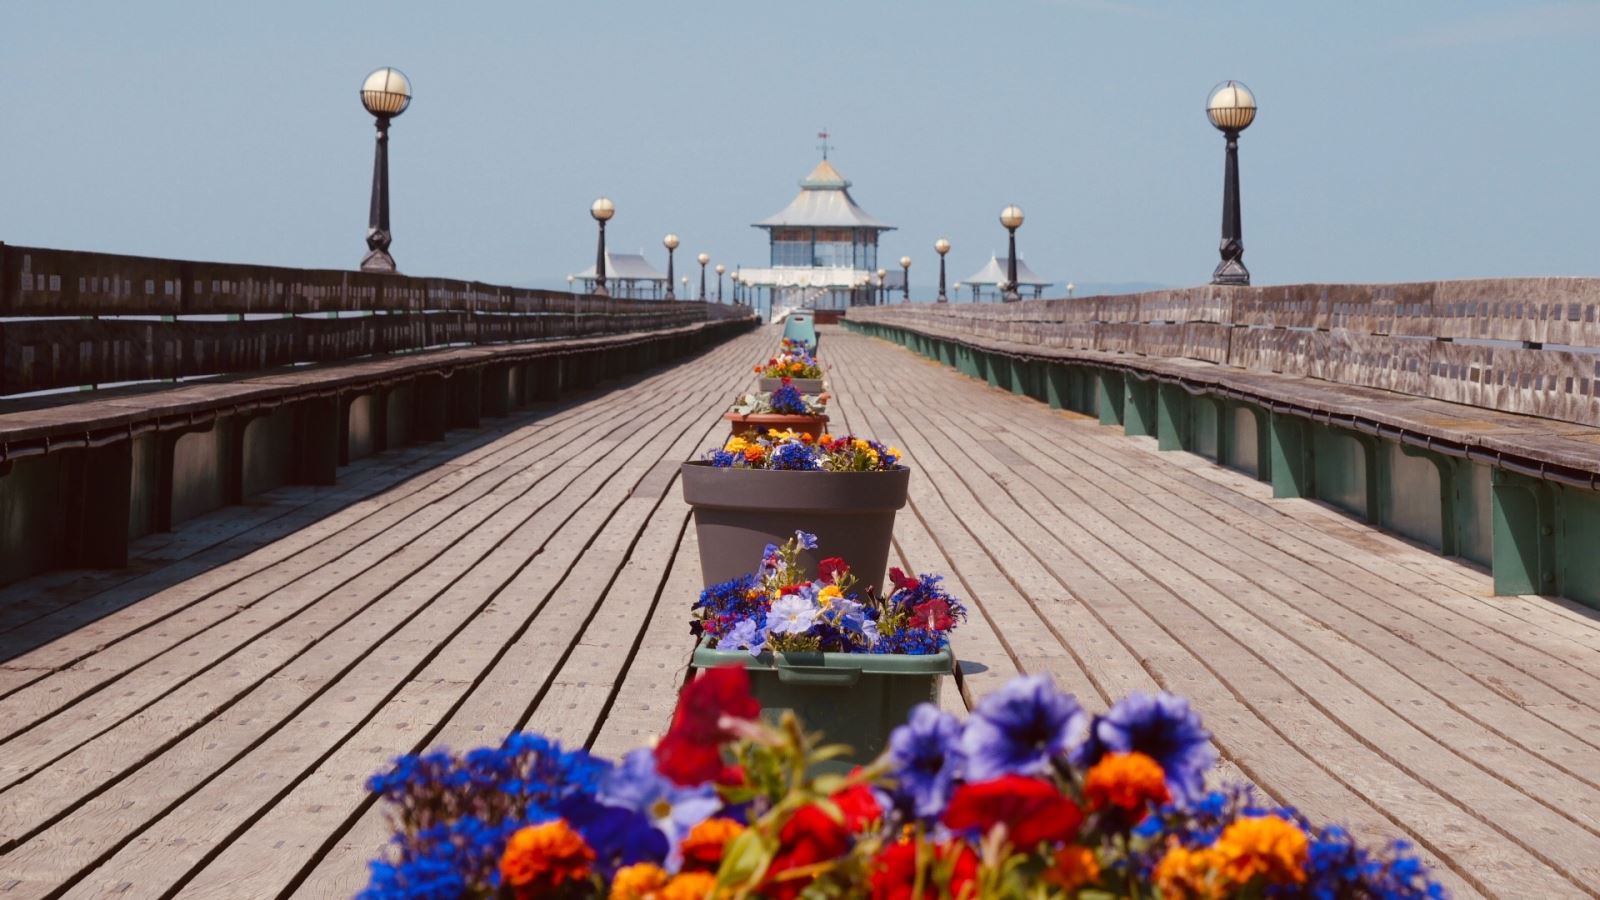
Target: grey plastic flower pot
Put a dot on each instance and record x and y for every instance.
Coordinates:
(808, 386)
(853, 698)
(738, 512)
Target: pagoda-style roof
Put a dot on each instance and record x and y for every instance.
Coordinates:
(824, 201)
(625, 267)
(995, 271)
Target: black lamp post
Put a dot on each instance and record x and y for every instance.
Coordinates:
(602, 210)
(703, 259)
(1011, 218)
(905, 278)
(386, 93)
(883, 285)
(671, 243)
(942, 246)
(720, 270)
(1231, 108)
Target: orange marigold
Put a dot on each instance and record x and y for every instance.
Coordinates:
(541, 858)
(1263, 845)
(689, 886)
(1129, 781)
(706, 842)
(639, 881)
(1074, 866)
(754, 452)
(1184, 874)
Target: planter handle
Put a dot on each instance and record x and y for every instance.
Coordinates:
(818, 675)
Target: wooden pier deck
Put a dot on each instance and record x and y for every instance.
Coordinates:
(200, 725)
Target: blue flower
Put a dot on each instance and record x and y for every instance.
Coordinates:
(1019, 728)
(1161, 726)
(746, 634)
(617, 835)
(808, 541)
(792, 614)
(787, 399)
(673, 810)
(925, 758)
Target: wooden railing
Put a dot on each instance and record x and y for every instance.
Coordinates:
(70, 318)
(1485, 343)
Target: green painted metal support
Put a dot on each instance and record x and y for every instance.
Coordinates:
(1524, 535)
(1172, 418)
(1109, 396)
(1022, 378)
(1057, 386)
(1289, 455)
(1445, 466)
(1139, 407)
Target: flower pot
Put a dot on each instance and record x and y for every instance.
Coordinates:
(811, 386)
(738, 512)
(760, 422)
(854, 698)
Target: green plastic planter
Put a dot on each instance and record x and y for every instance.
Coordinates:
(852, 698)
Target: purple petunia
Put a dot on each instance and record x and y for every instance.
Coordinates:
(1161, 726)
(925, 758)
(1020, 728)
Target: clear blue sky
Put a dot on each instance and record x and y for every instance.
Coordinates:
(1396, 140)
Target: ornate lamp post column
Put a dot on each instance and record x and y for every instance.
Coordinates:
(671, 243)
(386, 93)
(905, 278)
(703, 259)
(1231, 108)
(883, 285)
(1011, 218)
(602, 210)
(942, 246)
(720, 270)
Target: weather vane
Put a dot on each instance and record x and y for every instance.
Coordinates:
(823, 136)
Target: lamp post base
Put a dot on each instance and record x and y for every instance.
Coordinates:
(378, 260)
(1011, 296)
(600, 291)
(1231, 271)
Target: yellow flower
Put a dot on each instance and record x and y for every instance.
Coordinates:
(860, 444)
(689, 886)
(1270, 846)
(735, 444)
(1075, 866)
(545, 857)
(827, 595)
(1184, 874)
(639, 881)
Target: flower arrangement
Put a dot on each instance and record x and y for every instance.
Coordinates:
(799, 452)
(777, 609)
(786, 400)
(1030, 797)
(794, 360)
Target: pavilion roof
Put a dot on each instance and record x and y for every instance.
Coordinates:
(625, 267)
(995, 271)
(824, 201)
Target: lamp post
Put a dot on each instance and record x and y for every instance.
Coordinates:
(386, 93)
(942, 246)
(1011, 218)
(1231, 108)
(883, 284)
(958, 290)
(905, 278)
(570, 280)
(671, 243)
(1070, 288)
(685, 281)
(602, 210)
(703, 259)
(720, 270)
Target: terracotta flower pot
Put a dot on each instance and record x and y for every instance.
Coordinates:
(803, 385)
(738, 512)
(760, 422)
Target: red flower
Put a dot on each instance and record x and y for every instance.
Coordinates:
(859, 806)
(902, 581)
(894, 872)
(934, 615)
(809, 837)
(689, 753)
(831, 568)
(788, 380)
(1032, 809)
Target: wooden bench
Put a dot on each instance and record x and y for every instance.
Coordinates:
(1485, 392)
(244, 402)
